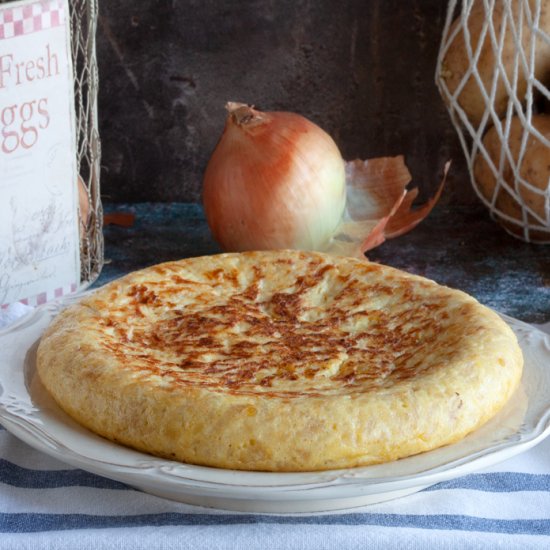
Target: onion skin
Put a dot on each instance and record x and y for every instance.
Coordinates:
(275, 180)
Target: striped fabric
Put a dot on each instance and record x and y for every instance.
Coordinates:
(47, 504)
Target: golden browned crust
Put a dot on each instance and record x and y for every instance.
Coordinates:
(279, 361)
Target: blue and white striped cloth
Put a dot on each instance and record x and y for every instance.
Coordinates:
(47, 504)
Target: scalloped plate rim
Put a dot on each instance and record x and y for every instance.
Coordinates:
(273, 492)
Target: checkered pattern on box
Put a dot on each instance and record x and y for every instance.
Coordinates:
(44, 297)
(29, 18)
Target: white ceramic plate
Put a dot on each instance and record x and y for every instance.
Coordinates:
(29, 413)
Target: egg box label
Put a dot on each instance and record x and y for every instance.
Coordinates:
(39, 229)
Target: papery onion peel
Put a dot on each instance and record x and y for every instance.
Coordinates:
(378, 205)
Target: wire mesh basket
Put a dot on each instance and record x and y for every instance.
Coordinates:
(83, 23)
(493, 72)
(83, 39)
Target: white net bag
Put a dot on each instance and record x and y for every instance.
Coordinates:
(493, 72)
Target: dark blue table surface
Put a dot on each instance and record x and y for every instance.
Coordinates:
(459, 247)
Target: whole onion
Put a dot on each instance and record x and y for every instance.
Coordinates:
(275, 180)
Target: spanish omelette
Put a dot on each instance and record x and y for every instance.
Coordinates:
(279, 361)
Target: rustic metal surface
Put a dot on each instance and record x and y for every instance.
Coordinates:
(458, 247)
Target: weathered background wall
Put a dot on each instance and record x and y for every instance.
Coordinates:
(362, 69)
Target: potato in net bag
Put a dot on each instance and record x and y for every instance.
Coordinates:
(493, 72)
